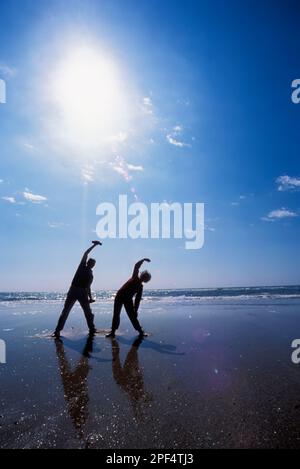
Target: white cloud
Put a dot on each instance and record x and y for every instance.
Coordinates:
(120, 167)
(288, 183)
(279, 214)
(123, 168)
(10, 200)
(184, 102)
(177, 129)
(132, 167)
(147, 105)
(34, 198)
(56, 225)
(177, 143)
(241, 198)
(88, 174)
(7, 71)
(173, 137)
(29, 146)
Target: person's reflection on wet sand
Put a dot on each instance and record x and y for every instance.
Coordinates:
(130, 377)
(75, 384)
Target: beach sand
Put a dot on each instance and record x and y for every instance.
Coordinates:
(215, 374)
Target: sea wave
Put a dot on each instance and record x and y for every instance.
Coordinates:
(170, 295)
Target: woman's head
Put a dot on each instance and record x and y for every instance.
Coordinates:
(91, 263)
(145, 276)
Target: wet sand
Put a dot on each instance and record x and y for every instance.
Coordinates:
(215, 375)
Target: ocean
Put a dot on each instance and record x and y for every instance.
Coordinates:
(178, 295)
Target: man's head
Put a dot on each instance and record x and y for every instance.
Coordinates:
(91, 263)
(145, 276)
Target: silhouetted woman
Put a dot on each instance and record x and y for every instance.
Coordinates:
(133, 287)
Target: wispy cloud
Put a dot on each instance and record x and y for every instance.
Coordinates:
(147, 105)
(29, 146)
(134, 168)
(7, 71)
(184, 102)
(88, 174)
(34, 198)
(209, 228)
(288, 183)
(120, 137)
(177, 143)
(123, 168)
(120, 167)
(57, 225)
(174, 137)
(10, 200)
(280, 214)
(241, 199)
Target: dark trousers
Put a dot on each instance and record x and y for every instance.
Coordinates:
(80, 295)
(128, 304)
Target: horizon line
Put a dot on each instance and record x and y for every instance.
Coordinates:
(161, 289)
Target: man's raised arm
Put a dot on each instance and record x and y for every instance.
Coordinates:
(87, 252)
(138, 265)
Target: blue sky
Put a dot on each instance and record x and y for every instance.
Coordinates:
(202, 113)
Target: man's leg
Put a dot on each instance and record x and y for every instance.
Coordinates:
(117, 369)
(133, 316)
(85, 304)
(69, 303)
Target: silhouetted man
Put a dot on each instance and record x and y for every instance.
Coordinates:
(80, 291)
(75, 384)
(124, 297)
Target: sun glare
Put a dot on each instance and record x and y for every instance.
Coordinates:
(88, 94)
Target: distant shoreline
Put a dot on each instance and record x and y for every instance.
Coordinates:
(28, 292)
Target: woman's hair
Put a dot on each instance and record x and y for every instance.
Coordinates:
(145, 276)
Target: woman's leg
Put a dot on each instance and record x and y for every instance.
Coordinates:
(132, 315)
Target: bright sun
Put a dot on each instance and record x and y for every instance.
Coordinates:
(88, 94)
